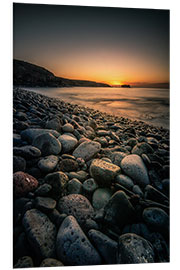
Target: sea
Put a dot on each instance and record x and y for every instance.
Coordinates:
(150, 105)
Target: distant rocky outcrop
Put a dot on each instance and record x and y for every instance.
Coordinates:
(125, 85)
(26, 74)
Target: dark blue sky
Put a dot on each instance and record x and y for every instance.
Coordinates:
(115, 45)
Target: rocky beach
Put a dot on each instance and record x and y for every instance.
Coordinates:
(89, 188)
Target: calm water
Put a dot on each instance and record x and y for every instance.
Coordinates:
(150, 105)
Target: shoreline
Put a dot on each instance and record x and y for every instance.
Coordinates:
(111, 115)
(84, 180)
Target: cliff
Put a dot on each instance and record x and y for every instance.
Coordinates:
(26, 74)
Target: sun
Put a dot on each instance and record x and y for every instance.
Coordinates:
(115, 83)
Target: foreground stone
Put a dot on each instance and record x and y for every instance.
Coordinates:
(76, 205)
(134, 167)
(103, 172)
(100, 197)
(48, 163)
(87, 150)
(119, 211)
(48, 144)
(30, 133)
(105, 246)
(73, 247)
(41, 233)
(134, 249)
(68, 142)
(23, 183)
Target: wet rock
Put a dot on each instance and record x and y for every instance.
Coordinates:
(68, 165)
(101, 197)
(27, 151)
(54, 124)
(106, 247)
(119, 211)
(48, 144)
(134, 249)
(50, 262)
(134, 167)
(68, 128)
(142, 148)
(74, 186)
(36, 225)
(48, 163)
(68, 143)
(24, 262)
(23, 183)
(124, 180)
(73, 247)
(103, 172)
(43, 190)
(19, 164)
(31, 133)
(58, 181)
(87, 150)
(76, 205)
(45, 204)
(156, 218)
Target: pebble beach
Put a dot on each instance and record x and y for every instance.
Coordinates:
(89, 188)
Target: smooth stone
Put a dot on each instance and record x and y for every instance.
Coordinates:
(73, 247)
(87, 150)
(134, 249)
(68, 128)
(19, 164)
(58, 181)
(103, 133)
(103, 172)
(37, 224)
(76, 205)
(69, 165)
(134, 167)
(48, 144)
(24, 262)
(138, 228)
(153, 194)
(43, 190)
(101, 197)
(74, 186)
(142, 148)
(23, 183)
(106, 247)
(89, 186)
(132, 142)
(119, 211)
(27, 151)
(48, 163)
(124, 180)
(17, 140)
(53, 124)
(45, 204)
(50, 262)
(156, 218)
(102, 141)
(80, 175)
(68, 143)
(30, 133)
(136, 189)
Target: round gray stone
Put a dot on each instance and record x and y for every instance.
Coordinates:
(74, 186)
(68, 143)
(68, 128)
(48, 163)
(73, 247)
(134, 249)
(134, 167)
(100, 197)
(124, 180)
(87, 150)
(156, 218)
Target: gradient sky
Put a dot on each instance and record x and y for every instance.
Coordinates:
(113, 45)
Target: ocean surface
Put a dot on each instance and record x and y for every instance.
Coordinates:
(150, 105)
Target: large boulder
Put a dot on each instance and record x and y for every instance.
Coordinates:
(73, 247)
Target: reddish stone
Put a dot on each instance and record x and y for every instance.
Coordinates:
(23, 183)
